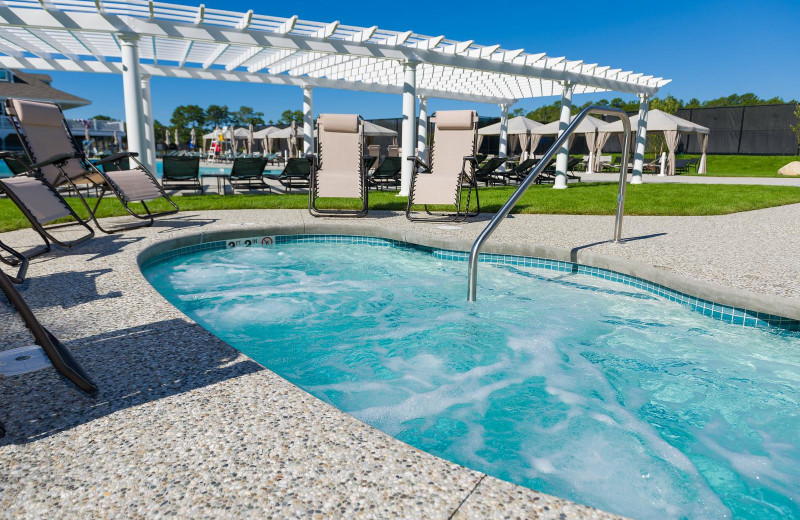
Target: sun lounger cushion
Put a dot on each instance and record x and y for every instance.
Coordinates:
(134, 185)
(38, 198)
(455, 120)
(339, 173)
(44, 129)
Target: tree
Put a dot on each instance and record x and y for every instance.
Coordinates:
(218, 115)
(246, 116)
(186, 117)
(102, 118)
(291, 115)
(517, 112)
(159, 130)
(669, 104)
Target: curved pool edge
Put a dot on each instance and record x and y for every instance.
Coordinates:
(735, 306)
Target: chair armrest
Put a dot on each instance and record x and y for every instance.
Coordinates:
(116, 157)
(56, 159)
(10, 155)
(418, 162)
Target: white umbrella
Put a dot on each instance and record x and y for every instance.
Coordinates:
(116, 138)
(250, 139)
(166, 134)
(177, 141)
(193, 138)
(293, 139)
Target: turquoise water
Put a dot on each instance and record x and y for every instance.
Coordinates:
(568, 384)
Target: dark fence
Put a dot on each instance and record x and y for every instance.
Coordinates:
(745, 130)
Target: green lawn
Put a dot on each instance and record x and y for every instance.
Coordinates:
(579, 199)
(743, 165)
(747, 165)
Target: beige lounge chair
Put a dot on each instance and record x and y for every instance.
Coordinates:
(53, 152)
(452, 165)
(41, 204)
(338, 167)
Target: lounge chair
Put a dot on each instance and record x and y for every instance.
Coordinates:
(682, 166)
(41, 204)
(247, 174)
(59, 355)
(521, 170)
(387, 173)
(181, 173)
(295, 174)
(337, 169)
(452, 164)
(486, 172)
(549, 173)
(694, 162)
(16, 259)
(612, 166)
(369, 162)
(52, 151)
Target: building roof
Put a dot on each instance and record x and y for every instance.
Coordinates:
(37, 87)
(198, 42)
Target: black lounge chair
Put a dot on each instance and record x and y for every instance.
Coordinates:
(521, 170)
(486, 172)
(549, 174)
(387, 173)
(53, 154)
(181, 173)
(694, 162)
(682, 166)
(295, 174)
(613, 166)
(59, 355)
(248, 174)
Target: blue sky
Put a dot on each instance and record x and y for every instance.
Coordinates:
(708, 49)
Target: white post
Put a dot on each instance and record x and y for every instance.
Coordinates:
(503, 151)
(422, 130)
(590, 166)
(662, 169)
(641, 140)
(409, 114)
(308, 120)
(132, 88)
(149, 159)
(562, 158)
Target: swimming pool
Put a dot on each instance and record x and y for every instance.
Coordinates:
(585, 388)
(204, 170)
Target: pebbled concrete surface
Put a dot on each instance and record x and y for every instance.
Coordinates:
(186, 426)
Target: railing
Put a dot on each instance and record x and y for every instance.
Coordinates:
(531, 178)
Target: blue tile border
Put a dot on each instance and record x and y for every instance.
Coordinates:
(724, 313)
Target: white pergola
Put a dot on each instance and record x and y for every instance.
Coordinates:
(140, 39)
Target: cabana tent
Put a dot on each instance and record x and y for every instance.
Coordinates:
(373, 130)
(519, 129)
(266, 135)
(229, 136)
(671, 126)
(589, 128)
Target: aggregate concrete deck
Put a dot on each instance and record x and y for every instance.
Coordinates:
(187, 426)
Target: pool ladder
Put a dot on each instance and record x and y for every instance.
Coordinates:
(531, 178)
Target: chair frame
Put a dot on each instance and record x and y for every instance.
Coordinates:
(90, 169)
(317, 159)
(251, 182)
(193, 183)
(383, 182)
(41, 229)
(286, 182)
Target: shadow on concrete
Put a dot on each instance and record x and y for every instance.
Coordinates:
(131, 367)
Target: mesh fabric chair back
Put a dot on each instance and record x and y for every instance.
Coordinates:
(248, 168)
(45, 135)
(122, 164)
(340, 150)
(454, 138)
(181, 168)
(389, 168)
(297, 168)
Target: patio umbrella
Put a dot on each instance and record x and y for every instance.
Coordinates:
(177, 141)
(193, 139)
(166, 138)
(250, 139)
(116, 138)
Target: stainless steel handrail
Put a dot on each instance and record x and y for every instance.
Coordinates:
(512, 201)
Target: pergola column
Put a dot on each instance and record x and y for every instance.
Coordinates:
(409, 114)
(149, 159)
(132, 89)
(503, 151)
(308, 120)
(422, 130)
(562, 158)
(641, 139)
